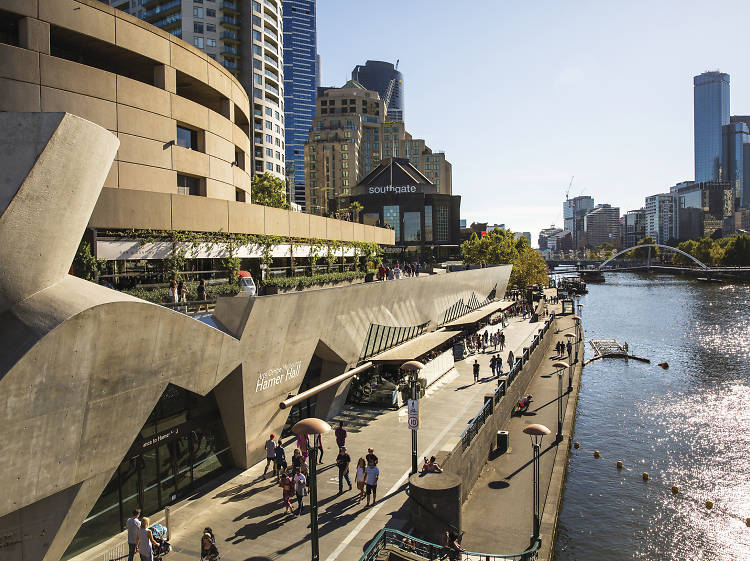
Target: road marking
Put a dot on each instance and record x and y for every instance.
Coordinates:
(374, 510)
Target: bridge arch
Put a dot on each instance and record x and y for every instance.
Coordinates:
(703, 265)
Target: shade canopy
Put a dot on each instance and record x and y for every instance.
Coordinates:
(412, 365)
(561, 365)
(311, 425)
(536, 430)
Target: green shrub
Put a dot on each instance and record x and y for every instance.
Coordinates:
(160, 295)
(304, 281)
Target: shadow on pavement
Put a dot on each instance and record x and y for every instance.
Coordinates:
(527, 464)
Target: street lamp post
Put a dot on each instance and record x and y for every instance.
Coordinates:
(536, 432)
(314, 427)
(570, 373)
(412, 369)
(559, 405)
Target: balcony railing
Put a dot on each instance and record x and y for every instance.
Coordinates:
(271, 89)
(270, 5)
(230, 36)
(169, 22)
(270, 60)
(230, 64)
(174, 5)
(227, 50)
(230, 7)
(230, 21)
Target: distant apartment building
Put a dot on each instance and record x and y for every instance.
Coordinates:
(710, 114)
(702, 208)
(300, 85)
(632, 227)
(574, 211)
(246, 38)
(660, 217)
(602, 226)
(545, 234)
(348, 140)
(384, 78)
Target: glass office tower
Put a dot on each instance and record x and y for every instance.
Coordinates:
(376, 75)
(300, 80)
(710, 114)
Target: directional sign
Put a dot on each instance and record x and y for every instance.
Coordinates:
(413, 414)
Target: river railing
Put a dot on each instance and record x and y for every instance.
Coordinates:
(486, 411)
(394, 541)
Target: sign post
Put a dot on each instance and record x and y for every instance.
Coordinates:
(412, 369)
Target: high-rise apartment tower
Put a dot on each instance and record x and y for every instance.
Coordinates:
(384, 78)
(300, 84)
(710, 114)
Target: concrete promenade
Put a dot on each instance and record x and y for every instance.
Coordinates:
(246, 512)
(497, 517)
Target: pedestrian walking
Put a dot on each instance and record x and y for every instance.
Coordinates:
(570, 349)
(270, 455)
(496, 340)
(287, 492)
(280, 458)
(342, 462)
(371, 457)
(296, 459)
(360, 478)
(372, 474)
(475, 368)
(318, 439)
(499, 364)
(511, 362)
(209, 552)
(493, 362)
(133, 524)
(340, 434)
(145, 541)
(300, 489)
(502, 341)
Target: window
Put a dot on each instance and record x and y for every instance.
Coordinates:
(257, 35)
(428, 223)
(392, 218)
(210, 28)
(198, 42)
(412, 229)
(278, 155)
(210, 42)
(347, 134)
(257, 50)
(344, 147)
(210, 13)
(239, 195)
(256, 21)
(269, 166)
(278, 142)
(269, 139)
(269, 111)
(239, 159)
(344, 101)
(256, 6)
(442, 223)
(323, 102)
(332, 102)
(187, 138)
(269, 125)
(344, 156)
(278, 168)
(197, 27)
(344, 173)
(269, 152)
(198, 12)
(189, 185)
(345, 183)
(344, 165)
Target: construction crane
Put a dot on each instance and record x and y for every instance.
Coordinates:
(389, 90)
(567, 193)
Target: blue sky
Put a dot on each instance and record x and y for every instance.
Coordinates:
(524, 95)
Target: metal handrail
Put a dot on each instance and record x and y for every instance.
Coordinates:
(434, 552)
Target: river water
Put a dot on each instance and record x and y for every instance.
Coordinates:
(687, 426)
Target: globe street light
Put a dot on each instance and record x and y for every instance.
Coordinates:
(314, 427)
(412, 369)
(536, 432)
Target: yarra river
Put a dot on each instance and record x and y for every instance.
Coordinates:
(687, 426)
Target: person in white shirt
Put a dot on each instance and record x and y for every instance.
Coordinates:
(372, 473)
(270, 455)
(133, 524)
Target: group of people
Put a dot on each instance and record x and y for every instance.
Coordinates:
(178, 291)
(294, 480)
(397, 272)
(148, 541)
(561, 348)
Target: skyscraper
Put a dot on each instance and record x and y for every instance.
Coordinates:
(710, 114)
(300, 84)
(574, 211)
(377, 75)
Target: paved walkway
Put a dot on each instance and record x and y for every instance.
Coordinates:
(507, 479)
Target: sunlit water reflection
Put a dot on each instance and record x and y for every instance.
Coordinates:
(687, 426)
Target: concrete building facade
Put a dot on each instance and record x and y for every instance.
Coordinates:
(114, 402)
(660, 214)
(602, 226)
(632, 227)
(574, 211)
(348, 140)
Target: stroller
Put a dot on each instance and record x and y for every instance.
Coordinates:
(160, 535)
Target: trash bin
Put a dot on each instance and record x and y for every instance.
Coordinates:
(502, 441)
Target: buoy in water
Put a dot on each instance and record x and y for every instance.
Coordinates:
(645, 475)
(675, 489)
(709, 505)
(596, 453)
(576, 445)
(620, 465)
(664, 365)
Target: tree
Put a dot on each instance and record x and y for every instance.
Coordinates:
(737, 251)
(642, 253)
(356, 208)
(268, 190)
(529, 269)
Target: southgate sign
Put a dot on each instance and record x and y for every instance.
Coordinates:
(398, 189)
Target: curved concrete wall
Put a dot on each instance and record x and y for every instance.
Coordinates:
(143, 113)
